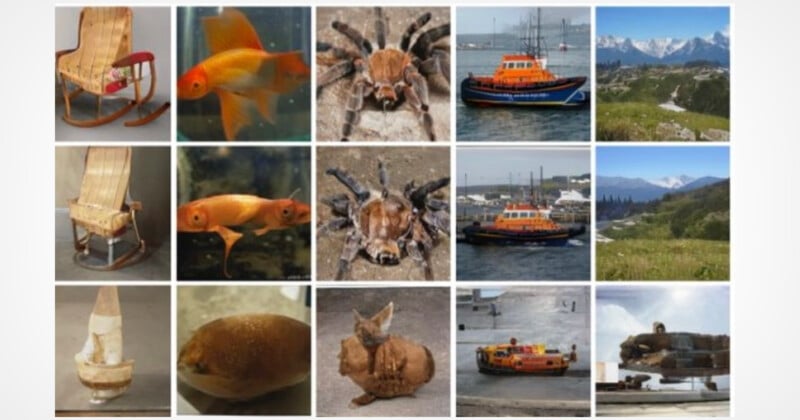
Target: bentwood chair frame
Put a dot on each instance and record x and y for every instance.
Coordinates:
(104, 207)
(103, 63)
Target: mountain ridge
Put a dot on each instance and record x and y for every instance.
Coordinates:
(715, 47)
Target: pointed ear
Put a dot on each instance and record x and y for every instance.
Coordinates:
(384, 317)
(357, 316)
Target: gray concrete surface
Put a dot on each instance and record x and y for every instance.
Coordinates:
(375, 125)
(151, 32)
(145, 332)
(661, 396)
(198, 305)
(420, 314)
(535, 314)
(694, 409)
(404, 164)
(502, 407)
(155, 265)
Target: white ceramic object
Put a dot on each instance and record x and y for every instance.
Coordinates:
(100, 363)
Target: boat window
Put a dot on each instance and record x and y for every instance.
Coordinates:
(528, 64)
(506, 65)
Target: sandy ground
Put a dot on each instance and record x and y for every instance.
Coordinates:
(420, 314)
(541, 314)
(403, 164)
(399, 124)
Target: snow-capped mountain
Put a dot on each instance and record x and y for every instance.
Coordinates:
(638, 189)
(659, 47)
(664, 50)
(672, 182)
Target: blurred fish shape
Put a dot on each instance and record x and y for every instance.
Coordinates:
(241, 72)
(216, 213)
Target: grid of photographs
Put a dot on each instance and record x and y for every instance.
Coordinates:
(446, 211)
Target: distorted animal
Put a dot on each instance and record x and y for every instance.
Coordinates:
(383, 365)
(217, 213)
(386, 225)
(243, 356)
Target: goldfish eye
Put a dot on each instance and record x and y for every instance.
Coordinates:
(200, 368)
(196, 85)
(286, 212)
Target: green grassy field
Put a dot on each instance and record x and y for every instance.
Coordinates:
(660, 259)
(638, 121)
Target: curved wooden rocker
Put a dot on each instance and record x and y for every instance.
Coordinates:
(103, 64)
(101, 208)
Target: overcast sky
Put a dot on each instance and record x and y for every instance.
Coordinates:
(492, 165)
(626, 310)
(478, 20)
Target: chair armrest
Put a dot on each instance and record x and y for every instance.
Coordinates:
(135, 205)
(134, 58)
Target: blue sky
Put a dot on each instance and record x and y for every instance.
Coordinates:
(492, 165)
(655, 162)
(478, 20)
(626, 310)
(643, 23)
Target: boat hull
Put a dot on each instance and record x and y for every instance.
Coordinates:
(557, 93)
(482, 235)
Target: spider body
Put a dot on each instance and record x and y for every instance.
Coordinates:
(389, 75)
(388, 225)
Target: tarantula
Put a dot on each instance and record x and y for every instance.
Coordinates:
(390, 75)
(386, 224)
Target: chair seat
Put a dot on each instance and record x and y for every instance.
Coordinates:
(99, 220)
(104, 81)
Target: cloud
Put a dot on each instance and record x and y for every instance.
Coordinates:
(614, 325)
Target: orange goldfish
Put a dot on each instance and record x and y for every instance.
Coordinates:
(215, 213)
(240, 71)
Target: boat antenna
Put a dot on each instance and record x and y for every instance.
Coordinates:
(493, 31)
(538, 28)
(532, 199)
(541, 183)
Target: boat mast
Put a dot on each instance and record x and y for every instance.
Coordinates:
(538, 28)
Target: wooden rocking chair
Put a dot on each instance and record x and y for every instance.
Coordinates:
(103, 64)
(101, 208)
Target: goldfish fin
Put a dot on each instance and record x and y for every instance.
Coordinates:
(230, 30)
(230, 237)
(259, 232)
(234, 112)
(267, 103)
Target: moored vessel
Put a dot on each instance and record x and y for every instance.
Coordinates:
(521, 224)
(523, 80)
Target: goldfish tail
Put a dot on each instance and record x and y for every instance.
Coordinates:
(230, 30)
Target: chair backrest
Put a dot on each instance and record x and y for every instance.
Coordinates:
(106, 176)
(105, 36)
